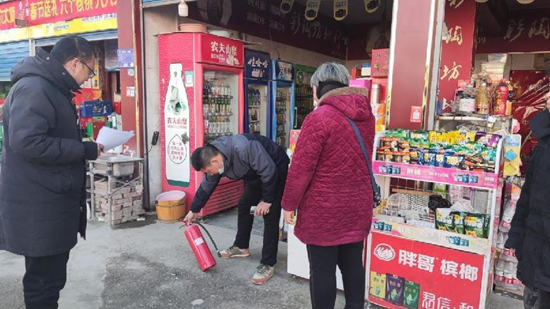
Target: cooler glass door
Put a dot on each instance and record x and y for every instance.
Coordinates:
(257, 102)
(282, 115)
(220, 104)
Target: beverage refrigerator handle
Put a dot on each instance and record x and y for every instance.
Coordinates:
(295, 117)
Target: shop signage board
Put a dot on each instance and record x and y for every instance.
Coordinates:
(39, 12)
(222, 51)
(55, 18)
(456, 51)
(8, 15)
(451, 176)
(526, 31)
(257, 65)
(284, 71)
(404, 273)
(263, 18)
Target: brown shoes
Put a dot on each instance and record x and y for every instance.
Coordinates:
(234, 252)
(263, 274)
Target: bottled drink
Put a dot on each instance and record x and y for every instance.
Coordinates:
(482, 100)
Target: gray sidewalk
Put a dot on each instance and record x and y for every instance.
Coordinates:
(149, 265)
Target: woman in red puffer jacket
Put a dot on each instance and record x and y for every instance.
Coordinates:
(329, 184)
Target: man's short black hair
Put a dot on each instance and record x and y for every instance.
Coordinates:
(72, 46)
(202, 156)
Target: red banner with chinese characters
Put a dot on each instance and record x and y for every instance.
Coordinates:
(8, 12)
(39, 12)
(222, 51)
(457, 49)
(527, 31)
(530, 88)
(408, 274)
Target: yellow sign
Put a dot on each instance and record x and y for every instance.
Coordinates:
(75, 26)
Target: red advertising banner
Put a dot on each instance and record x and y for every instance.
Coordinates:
(527, 31)
(7, 15)
(219, 50)
(409, 274)
(38, 12)
(457, 50)
(530, 88)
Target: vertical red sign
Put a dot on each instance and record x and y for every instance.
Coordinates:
(457, 50)
(408, 274)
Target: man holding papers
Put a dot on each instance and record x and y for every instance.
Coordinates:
(42, 184)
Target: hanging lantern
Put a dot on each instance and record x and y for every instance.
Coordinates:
(183, 9)
(286, 6)
(372, 5)
(312, 9)
(481, 1)
(340, 9)
(526, 1)
(214, 11)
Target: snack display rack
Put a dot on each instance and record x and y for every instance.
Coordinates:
(411, 263)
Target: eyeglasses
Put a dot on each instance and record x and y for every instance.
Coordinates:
(92, 73)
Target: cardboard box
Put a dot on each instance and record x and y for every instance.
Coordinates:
(380, 62)
(365, 83)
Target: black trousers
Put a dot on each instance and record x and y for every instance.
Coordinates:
(44, 278)
(322, 269)
(252, 195)
(536, 299)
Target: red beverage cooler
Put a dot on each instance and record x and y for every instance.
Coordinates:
(201, 99)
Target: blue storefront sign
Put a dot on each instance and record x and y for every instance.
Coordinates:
(284, 71)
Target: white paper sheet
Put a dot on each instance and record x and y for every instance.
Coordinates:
(111, 138)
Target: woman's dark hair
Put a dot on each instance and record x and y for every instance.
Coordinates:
(72, 46)
(202, 156)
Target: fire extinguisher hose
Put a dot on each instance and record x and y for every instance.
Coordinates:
(211, 238)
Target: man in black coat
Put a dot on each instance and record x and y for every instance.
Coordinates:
(42, 180)
(530, 232)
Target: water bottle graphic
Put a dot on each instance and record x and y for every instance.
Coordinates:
(176, 133)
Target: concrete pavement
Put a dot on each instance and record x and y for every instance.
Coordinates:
(149, 265)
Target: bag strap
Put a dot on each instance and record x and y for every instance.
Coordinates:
(365, 153)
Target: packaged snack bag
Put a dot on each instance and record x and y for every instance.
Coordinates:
(412, 295)
(378, 285)
(474, 225)
(395, 289)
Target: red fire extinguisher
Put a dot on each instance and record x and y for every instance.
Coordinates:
(200, 247)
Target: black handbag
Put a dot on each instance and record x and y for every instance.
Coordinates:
(375, 188)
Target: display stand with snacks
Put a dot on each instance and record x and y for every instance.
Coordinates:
(433, 238)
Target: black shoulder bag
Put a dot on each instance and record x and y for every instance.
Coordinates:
(375, 188)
